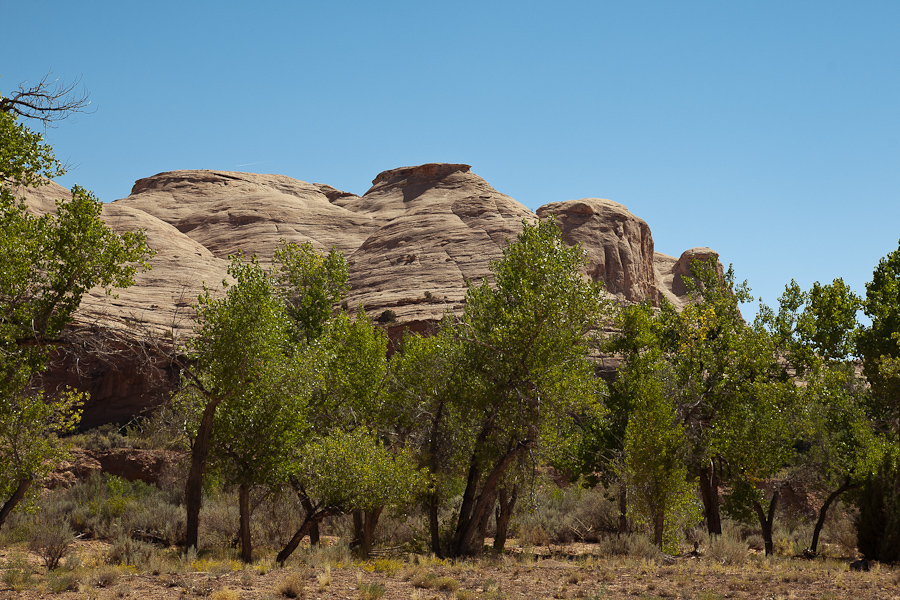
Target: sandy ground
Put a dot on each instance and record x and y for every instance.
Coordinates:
(511, 576)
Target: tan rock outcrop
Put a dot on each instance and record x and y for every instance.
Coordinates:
(228, 212)
(669, 272)
(618, 245)
(441, 225)
(413, 242)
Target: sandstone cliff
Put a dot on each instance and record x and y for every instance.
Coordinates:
(413, 241)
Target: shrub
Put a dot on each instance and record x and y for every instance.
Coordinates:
(563, 515)
(62, 580)
(106, 507)
(635, 545)
(104, 576)
(126, 550)
(51, 541)
(291, 586)
(371, 591)
(728, 550)
(387, 316)
(17, 574)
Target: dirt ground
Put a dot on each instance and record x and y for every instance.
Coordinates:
(511, 576)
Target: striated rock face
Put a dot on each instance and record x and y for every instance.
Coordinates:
(228, 212)
(441, 225)
(619, 246)
(413, 241)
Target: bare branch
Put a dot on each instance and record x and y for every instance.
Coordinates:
(47, 101)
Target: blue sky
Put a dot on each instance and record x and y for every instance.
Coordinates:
(769, 131)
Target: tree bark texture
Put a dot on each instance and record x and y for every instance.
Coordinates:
(473, 508)
(823, 512)
(194, 487)
(364, 524)
(623, 509)
(244, 506)
(310, 520)
(314, 528)
(434, 526)
(659, 527)
(709, 493)
(17, 495)
(506, 502)
(765, 522)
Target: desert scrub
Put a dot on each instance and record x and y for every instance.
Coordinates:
(106, 506)
(102, 577)
(292, 586)
(632, 545)
(62, 580)
(51, 541)
(371, 591)
(17, 573)
(727, 550)
(128, 551)
(563, 515)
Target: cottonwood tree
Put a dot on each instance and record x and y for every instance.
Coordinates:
(349, 359)
(346, 471)
(654, 449)
(815, 332)
(237, 357)
(425, 389)
(253, 367)
(878, 525)
(733, 394)
(522, 346)
(877, 343)
(47, 264)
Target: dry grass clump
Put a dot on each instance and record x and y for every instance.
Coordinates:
(728, 550)
(225, 594)
(103, 577)
(17, 573)
(292, 586)
(633, 545)
(371, 591)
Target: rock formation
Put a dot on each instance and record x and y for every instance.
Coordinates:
(618, 245)
(413, 241)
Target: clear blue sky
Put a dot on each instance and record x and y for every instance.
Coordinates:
(769, 131)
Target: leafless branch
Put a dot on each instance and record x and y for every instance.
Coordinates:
(47, 101)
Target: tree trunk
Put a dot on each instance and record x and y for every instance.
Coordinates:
(364, 524)
(823, 512)
(310, 520)
(17, 495)
(464, 542)
(765, 522)
(314, 528)
(481, 529)
(244, 504)
(709, 493)
(659, 527)
(434, 526)
(434, 498)
(194, 488)
(623, 509)
(507, 503)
